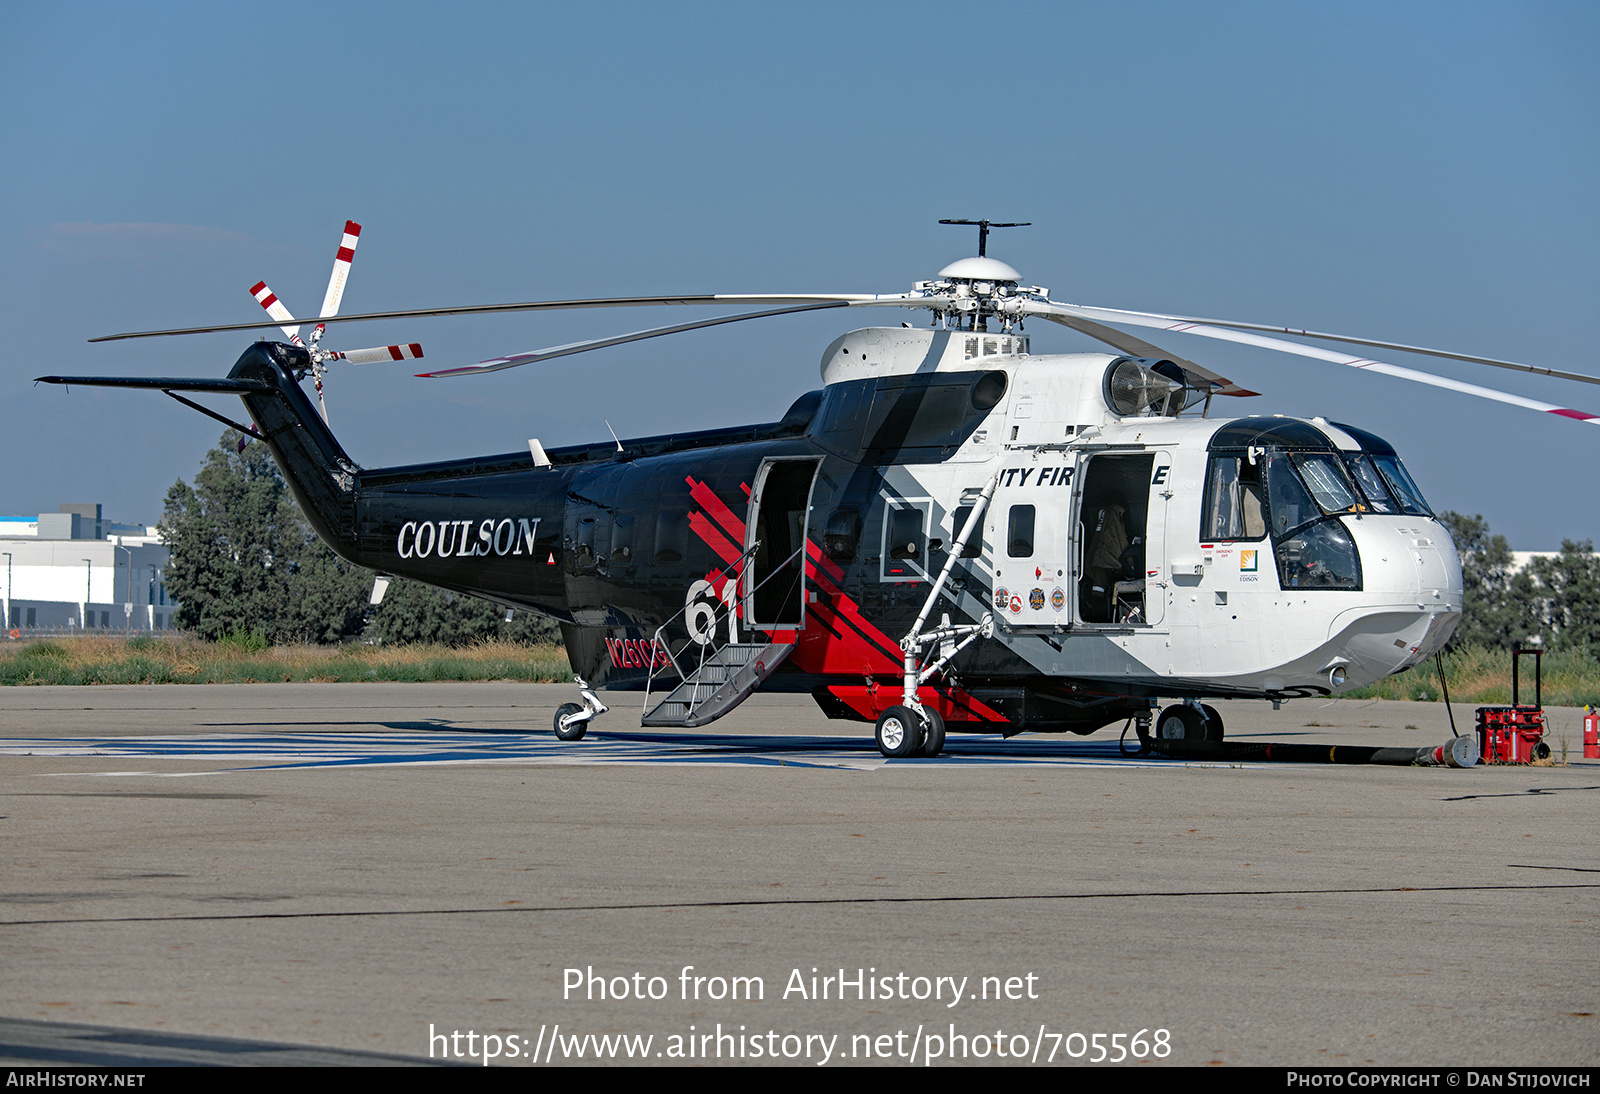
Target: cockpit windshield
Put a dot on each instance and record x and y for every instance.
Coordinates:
(1288, 478)
(1372, 484)
(1328, 481)
(1390, 474)
(1394, 473)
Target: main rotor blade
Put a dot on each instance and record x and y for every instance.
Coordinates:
(1244, 338)
(1177, 322)
(542, 305)
(1138, 347)
(495, 364)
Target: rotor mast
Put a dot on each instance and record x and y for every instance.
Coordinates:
(983, 227)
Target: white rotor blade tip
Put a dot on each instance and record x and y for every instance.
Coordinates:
(341, 269)
(274, 307)
(378, 354)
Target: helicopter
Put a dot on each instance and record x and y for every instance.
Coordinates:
(951, 534)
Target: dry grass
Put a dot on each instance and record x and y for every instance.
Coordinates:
(1571, 678)
(1476, 676)
(178, 660)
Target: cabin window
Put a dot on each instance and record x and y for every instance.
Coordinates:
(905, 533)
(672, 537)
(974, 547)
(905, 540)
(843, 535)
(622, 539)
(1019, 532)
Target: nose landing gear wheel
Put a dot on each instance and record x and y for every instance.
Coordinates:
(899, 733)
(576, 730)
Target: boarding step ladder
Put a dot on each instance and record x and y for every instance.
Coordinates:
(715, 679)
(719, 684)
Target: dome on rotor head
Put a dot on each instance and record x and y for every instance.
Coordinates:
(980, 269)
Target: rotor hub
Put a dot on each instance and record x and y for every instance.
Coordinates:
(974, 289)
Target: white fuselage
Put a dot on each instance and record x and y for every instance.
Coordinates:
(1095, 559)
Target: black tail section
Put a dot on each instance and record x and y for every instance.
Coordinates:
(319, 473)
(321, 476)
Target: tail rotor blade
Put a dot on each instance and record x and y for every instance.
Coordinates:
(378, 354)
(274, 307)
(341, 269)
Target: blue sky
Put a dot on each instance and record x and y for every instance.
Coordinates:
(1421, 173)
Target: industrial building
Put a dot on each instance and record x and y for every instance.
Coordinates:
(75, 570)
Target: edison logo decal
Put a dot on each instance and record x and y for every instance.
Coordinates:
(1247, 562)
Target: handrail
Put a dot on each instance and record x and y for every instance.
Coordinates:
(706, 649)
(655, 640)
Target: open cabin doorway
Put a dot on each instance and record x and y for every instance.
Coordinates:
(780, 503)
(1113, 523)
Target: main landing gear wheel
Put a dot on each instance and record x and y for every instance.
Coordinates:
(932, 733)
(1184, 723)
(576, 730)
(899, 733)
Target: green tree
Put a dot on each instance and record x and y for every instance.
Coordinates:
(1569, 588)
(245, 561)
(1499, 605)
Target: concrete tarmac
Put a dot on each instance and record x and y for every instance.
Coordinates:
(375, 868)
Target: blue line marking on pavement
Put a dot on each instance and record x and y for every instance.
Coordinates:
(296, 751)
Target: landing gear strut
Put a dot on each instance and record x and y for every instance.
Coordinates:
(572, 719)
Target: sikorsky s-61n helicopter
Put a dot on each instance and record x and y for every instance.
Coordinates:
(952, 532)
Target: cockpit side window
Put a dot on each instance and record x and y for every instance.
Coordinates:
(1291, 505)
(1233, 500)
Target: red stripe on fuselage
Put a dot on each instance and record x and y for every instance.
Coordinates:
(715, 539)
(712, 504)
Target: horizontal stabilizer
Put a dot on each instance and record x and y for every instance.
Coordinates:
(163, 383)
